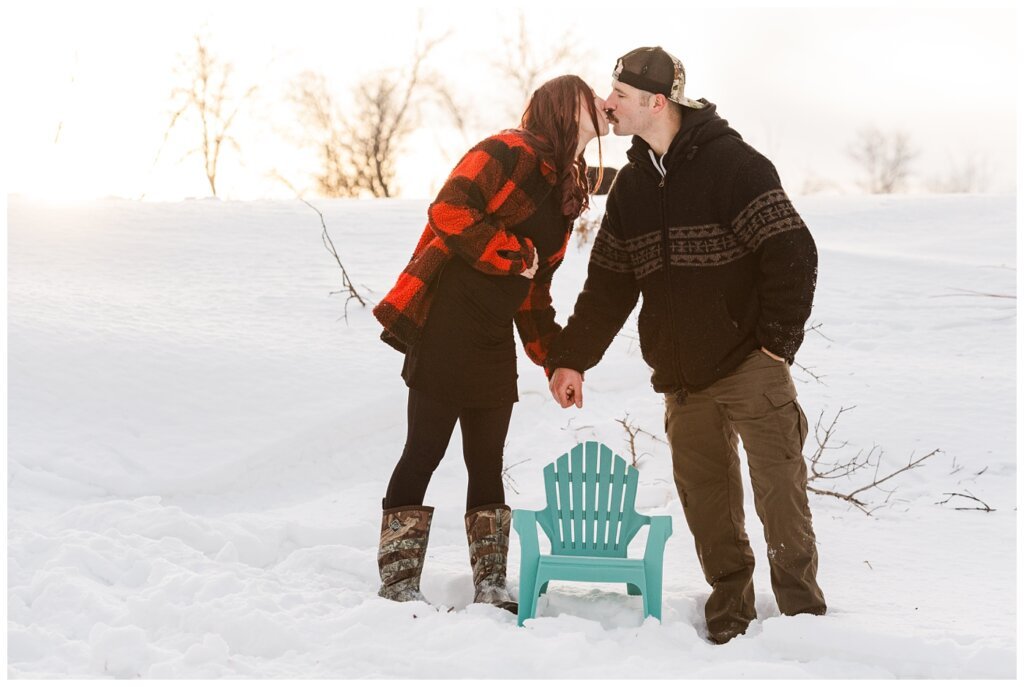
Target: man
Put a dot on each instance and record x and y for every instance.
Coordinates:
(698, 223)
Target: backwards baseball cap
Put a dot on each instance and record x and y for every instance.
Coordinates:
(655, 71)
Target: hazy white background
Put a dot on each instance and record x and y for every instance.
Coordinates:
(796, 82)
(181, 502)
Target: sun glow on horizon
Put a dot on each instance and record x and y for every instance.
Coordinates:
(95, 96)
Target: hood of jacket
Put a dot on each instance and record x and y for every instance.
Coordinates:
(698, 128)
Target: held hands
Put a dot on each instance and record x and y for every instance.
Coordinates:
(532, 270)
(567, 387)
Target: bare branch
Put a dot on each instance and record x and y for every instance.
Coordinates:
(631, 432)
(984, 506)
(507, 478)
(823, 441)
(909, 466)
(968, 292)
(818, 378)
(822, 470)
(346, 282)
(816, 328)
(844, 497)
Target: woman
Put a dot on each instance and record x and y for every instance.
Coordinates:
(495, 234)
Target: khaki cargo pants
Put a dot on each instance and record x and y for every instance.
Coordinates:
(755, 402)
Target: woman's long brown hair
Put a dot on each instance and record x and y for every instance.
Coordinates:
(551, 117)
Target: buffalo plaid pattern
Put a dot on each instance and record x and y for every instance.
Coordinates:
(535, 318)
(499, 183)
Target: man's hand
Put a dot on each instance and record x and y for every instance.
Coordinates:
(532, 270)
(770, 355)
(567, 387)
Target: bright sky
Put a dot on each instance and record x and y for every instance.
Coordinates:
(796, 82)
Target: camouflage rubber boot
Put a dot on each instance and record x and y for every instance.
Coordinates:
(487, 529)
(403, 547)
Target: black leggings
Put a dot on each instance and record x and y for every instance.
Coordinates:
(431, 423)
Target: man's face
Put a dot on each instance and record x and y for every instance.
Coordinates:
(586, 125)
(627, 115)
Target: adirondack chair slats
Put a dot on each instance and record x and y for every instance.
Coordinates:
(589, 493)
(618, 477)
(564, 505)
(630, 526)
(590, 520)
(576, 480)
(601, 517)
(549, 518)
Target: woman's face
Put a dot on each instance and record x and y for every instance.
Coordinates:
(587, 131)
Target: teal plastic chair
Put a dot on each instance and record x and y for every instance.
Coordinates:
(590, 520)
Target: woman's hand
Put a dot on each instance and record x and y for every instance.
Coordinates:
(566, 387)
(532, 270)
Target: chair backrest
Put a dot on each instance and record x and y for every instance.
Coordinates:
(591, 496)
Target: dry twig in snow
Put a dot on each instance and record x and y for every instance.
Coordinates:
(950, 495)
(346, 281)
(822, 469)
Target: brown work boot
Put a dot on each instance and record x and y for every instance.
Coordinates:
(487, 529)
(730, 608)
(724, 632)
(403, 546)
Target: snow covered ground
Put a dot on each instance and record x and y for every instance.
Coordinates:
(198, 444)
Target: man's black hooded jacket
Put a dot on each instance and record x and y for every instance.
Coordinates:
(723, 260)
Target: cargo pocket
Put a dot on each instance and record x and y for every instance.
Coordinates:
(790, 420)
(780, 397)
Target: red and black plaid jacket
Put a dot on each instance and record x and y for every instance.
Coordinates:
(499, 183)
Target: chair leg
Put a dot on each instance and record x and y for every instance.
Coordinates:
(527, 591)
(652, 596)
(539, 585)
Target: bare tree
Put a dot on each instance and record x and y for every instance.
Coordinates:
(883, 158)
(339, 175)
(971, 174)
(524, 65)
(207, 92)
(814, 184)
(359, 145)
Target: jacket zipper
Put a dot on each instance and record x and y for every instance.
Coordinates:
(680, 390)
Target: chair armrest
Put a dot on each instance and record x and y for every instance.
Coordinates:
(525, 524)
(661, 530)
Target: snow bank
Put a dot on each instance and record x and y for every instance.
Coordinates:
(198, 443)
